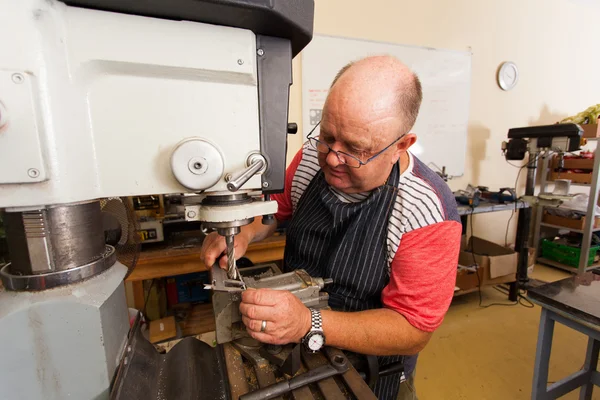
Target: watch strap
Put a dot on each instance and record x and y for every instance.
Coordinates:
(316, 320)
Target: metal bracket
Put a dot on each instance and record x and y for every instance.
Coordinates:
(21, 155)
(339, 365)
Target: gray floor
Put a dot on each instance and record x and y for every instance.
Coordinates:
(489, 353)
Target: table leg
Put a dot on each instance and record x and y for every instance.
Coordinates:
(513, 291)
(542, 356)
(591, 364)
(138, 294)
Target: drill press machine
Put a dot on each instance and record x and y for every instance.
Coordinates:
(113, 98)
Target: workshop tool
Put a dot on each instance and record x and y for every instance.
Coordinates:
(226, 294)
(202, 113)
(339, 365)
(467, 198)
(502, 196)
(535, 140)
(286, 358)
(232, 271)
(194, 370)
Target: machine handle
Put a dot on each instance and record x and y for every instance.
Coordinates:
(257, 162)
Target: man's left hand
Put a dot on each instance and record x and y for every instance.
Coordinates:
(288, 320)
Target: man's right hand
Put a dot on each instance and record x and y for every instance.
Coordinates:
(214, 245)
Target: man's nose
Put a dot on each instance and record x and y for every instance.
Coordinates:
(332, 159)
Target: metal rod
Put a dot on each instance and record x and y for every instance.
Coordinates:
(523, 225)
(312, 376)
(540, 209)
(590, 218)
(237, 181)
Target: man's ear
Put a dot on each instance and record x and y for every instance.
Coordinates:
(403, 145)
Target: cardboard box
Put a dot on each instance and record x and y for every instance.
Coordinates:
(466, 280)
(162, 329)
(590, 130)
(570, 223)
(574, 163)
(572, 176)
(495, 261)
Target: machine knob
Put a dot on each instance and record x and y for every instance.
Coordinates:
(197, 164)
(268, 219)
(292, 128)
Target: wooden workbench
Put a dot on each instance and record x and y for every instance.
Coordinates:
(163, 261)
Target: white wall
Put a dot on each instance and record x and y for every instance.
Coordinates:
(553, 42)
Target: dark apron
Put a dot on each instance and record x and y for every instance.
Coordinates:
(348, 243)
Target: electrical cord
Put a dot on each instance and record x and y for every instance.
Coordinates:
(520, 299)
(517, 200)
(148, 296)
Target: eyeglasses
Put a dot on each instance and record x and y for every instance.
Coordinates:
(343, 157)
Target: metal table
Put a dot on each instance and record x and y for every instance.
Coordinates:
(486, 207)
(574, 302)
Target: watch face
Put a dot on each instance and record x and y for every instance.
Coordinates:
(315, 342)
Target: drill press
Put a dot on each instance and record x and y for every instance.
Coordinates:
(115, 98)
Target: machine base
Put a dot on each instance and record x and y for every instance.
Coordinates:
(194, 370)
(191, 370)
(64, 342)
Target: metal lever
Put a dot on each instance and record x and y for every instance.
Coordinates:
(338, 366)
(257, 162)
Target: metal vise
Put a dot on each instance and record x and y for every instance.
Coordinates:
(227, 294)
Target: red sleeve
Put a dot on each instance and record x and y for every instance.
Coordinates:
(423, 275)
(284, 200)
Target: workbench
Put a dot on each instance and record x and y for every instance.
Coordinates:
(184, 258)
(574, 302)
(487, 207)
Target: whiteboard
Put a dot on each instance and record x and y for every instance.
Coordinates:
(445, 75)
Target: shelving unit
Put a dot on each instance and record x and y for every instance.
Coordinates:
(165, 261)
(541, 228)
(570, 229)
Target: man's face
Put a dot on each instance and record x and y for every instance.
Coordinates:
(361, 137)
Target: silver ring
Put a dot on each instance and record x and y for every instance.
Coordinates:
(263, 326)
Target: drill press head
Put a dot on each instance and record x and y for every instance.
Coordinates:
(120, 98)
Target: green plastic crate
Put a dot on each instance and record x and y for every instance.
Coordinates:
(568, 255)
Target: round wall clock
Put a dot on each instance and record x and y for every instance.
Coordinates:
(508, 75)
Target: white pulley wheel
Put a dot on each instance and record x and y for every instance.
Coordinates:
(197, 164)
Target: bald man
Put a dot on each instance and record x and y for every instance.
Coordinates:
(366, 212)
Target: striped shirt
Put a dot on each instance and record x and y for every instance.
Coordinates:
(423, 236)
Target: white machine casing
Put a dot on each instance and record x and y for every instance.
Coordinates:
(93, 104)
(43, 360)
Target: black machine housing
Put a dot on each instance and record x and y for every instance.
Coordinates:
(282, 28)
(566, 137)
(533, 140)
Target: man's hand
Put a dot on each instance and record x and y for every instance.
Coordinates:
(214, 245)
(288, 320)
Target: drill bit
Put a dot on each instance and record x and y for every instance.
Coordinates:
(232, 271)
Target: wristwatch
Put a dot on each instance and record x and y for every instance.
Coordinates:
(314, 340)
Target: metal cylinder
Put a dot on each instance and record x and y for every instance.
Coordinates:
(51, 241)
(54, 239)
